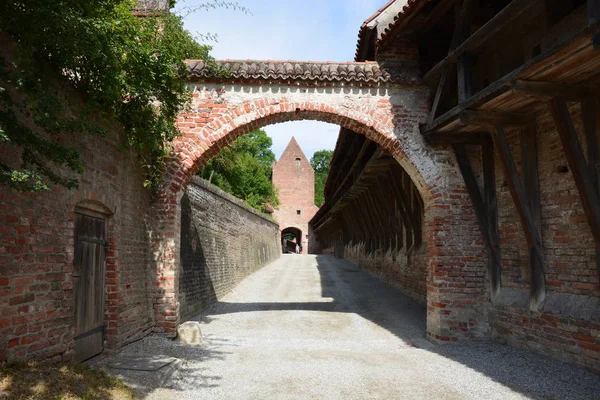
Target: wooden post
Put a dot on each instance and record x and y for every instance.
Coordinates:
(594, 18)
(528, 222)
(483, 211)
(583, 175)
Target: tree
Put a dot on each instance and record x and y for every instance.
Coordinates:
(244, 168)
(320, 163)
(124, 68)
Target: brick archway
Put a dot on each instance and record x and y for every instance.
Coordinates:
(387, 111)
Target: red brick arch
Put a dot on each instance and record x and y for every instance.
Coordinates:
(217, 117)
(203, 137)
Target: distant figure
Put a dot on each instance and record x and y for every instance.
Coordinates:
(297, 249)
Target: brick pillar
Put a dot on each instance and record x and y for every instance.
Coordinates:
(456, 284)
(165, 221)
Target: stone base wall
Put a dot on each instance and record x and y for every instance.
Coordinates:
(406, 271)
(223, 241)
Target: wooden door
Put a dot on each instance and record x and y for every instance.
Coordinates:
(88, 275)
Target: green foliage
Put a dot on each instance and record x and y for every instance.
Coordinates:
(124, 68)
(320, 163)
(244, 168)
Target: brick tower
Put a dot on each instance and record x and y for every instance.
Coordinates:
(295, 179)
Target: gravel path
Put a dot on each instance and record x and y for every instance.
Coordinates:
(308, 327)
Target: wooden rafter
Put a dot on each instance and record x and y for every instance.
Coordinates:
(512, 11)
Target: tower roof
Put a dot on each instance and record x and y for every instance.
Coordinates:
(294, 150)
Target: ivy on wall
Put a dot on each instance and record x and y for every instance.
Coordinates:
(122, 67)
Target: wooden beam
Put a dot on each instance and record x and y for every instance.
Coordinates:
(456, 137)
(402, 206)
(462, 15)
(529, 167)
(506, 16)
(593, 19)
(488, 160)
(487, 118)
(582, 172)
(590, 112)
(489, 232)
(520, 198)
(549, 90)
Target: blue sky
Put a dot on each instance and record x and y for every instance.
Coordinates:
(316, 30)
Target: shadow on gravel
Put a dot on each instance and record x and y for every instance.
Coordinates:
(191, 373)
(522, 371)
(348, 289)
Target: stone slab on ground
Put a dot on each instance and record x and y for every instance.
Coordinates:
(143, 374)
(142, 363)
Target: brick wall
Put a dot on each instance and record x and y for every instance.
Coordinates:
(222, 241)
(36, 255)
(405, 270)
(567, 326)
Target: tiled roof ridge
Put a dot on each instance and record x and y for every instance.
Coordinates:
(241, 60)
(311, 71)
(363, 27)
(407, 11)
(410, 7)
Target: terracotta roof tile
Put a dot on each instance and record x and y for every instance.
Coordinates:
(300, 71)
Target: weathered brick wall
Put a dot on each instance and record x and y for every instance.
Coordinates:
(405, 270)
(222, 241)
(36, 255)
(295, 183)
(568, 324)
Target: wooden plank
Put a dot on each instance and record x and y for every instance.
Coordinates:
(489, 232)
(556, 55)
(532, 234)
(506, 16)
(549, 90)
(488, 118)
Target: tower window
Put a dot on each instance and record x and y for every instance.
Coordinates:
(297, 160)
(299, 212)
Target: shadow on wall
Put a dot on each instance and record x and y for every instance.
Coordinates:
(196, 287)
(355, 291)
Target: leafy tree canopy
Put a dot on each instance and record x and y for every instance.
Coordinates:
(244, 168)
(320, 163)
(129, 68)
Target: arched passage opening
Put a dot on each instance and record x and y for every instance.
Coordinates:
(290, 237)
(390, 119)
